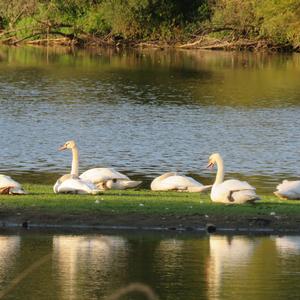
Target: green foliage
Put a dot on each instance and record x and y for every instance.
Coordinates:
(281, 21)
(26, 27)
(277, 21)
(159, 19)
(236, 16)
(14, 10)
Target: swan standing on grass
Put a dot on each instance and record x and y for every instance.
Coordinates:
(71, 183)
(9, 186)
(288, 190)
(173, 181)
(232, 190)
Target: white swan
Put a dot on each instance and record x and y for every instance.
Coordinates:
(71, 183)
(229, 191)
(109, 178)
(173, 181)
(288, 190)
(10, 186)
(102, 178)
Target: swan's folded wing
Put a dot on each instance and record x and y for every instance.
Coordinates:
(77, 186)
(289, 189)
(236, 185)
(6, 181)
(289, 185)
(102, 174)
(182, 181)
(156, 184)
(177, 182)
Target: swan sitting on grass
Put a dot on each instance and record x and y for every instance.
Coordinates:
(102, 178)
(232, 190)
(109, 179)
(10, 187)
(172, 181)
(288, 190)
(71, 183)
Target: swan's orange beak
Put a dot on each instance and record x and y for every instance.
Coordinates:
(63, 147)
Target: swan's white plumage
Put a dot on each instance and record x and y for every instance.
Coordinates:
(120, 184)
(288, 190)
(99, 177)
(232, 190)
(96, 175)
(15, 187)
(71, 183)
(109, 178)
(75, 186)
(173, 181)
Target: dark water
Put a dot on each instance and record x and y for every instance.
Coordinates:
(187, 267)
(148, 112)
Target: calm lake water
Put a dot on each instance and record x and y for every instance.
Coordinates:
(151, 111)
(187, 267)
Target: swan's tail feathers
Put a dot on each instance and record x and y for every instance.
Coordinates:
(123, 184)
(117, 184)
(131, 183)
(199, 189)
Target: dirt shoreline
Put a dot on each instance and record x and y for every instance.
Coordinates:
(171, 222)
(202, 42)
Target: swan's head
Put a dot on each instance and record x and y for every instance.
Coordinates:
(213, 159)
(67, 145)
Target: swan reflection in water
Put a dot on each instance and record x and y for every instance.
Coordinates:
(9, 247)
(82, 261)
(229, 258)
(288, 245)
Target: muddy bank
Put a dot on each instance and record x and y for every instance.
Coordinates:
(172, 222)
(202, 42)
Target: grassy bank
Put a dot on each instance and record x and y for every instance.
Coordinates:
(145, 208)
(220, 24)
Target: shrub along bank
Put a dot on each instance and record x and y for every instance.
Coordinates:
(272, 24)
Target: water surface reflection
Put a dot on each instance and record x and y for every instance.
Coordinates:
(92, 266)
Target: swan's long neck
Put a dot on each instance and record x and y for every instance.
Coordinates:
(220, 172)
(75, 162)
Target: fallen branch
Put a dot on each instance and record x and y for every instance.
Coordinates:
(42, 41)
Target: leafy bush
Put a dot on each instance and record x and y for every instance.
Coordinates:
(277, 21)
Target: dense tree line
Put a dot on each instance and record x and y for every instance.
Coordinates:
(276, 22)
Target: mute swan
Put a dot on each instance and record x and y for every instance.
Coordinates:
(9, 186)
(102, 178)
(109, 178)
(288, 190)
(71, 183)
(229, 191)
(173, 181)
